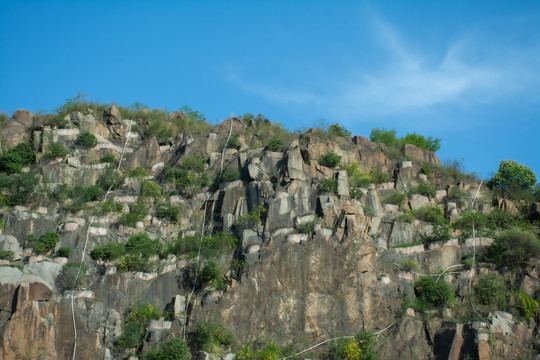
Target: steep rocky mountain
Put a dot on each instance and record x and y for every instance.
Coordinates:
(123, 232)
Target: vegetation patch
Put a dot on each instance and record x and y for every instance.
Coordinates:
(330, 159)
(359, 347)
(431, 293)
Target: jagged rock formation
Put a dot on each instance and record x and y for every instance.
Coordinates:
(319, 264)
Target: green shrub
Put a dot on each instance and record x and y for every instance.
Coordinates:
(16, 157)
(491, 291)
(63, 252)
(20, 187)
(187, 182)
(46, 242)
(108, 158)
(172, 349)
(274, 145)
(142, 244)
(330, 159)
(260, 351)
(409, 265)
(440, 232)
(68, 279)
(168, 212)
(193, 163)
(6, 255)
(513, 248)
(138, 172)
(164, 136)
(406, 218)
(136, 263)
(389, 138)
(431, 214)
(109, 252)
(465, 222)
(384, 136)
(137, 213)
(109, 206)
(82, 195)
(359, 347)
(229, 174)
(329, 185)
(422, 142)
(379, 176)
(394, 198)
(110, 179)
(427, 170)
(336, 130)
(86, 140)
(150, 189)
(56, 150)
(425, 189)
(431, 293)
(211, 246)
(233, 142)
(356, 193)
(211, 337)
(138, 315)
(528, 307)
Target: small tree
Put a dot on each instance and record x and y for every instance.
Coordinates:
(86, 140)
(330, 159)
(510, 173)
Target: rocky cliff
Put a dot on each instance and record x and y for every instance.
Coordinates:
(309, 238)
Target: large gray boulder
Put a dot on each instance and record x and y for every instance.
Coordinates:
(10, 243)
(13, 132)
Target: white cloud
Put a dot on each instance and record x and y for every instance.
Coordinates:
(410, 80)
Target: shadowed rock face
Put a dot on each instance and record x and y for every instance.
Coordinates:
(316, 264)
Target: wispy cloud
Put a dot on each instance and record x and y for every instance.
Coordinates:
(412, 80)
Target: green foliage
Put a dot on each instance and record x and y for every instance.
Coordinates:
(138, 172)
(330, 159)
(356, 193)
(378, 176)
(187, 182)
(20, 186)
(394, 198)
(510, 173)
(15, 158)
(45, 243)
(168, 212)
(63, 252)
(108, 252)
(211, 337)
(76, 103)
(427, 170)
(465, 222)
(491, 291)
(111, 179)
(513, 248)
(431, 214)
(389, 138)
(194, 163)
(457, 196)
(191, 122)
(229, 174)
(138, 211)
(359, 347)
(274, 145)
(82, 195)
(440, 232)
(329, 185)
(431, 293)
(108, 158)
(86, 140)
(233, 142)
(362, 178)
(252, 218)
(425, 189)
(453, 171)
(108, 207)
(409, 265)
(142, 244)
(406, 218)
(260, 351)
(56, 150)
(528, 306)
(211, 246)
(336, 130)
(68, 279)
(164, 136)
(150, 189)
(172, 349)
(138, 315)
(6, 255)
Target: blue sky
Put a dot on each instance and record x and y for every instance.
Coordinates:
(467, 72)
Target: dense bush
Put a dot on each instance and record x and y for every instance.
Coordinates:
(378, 176)
(15, 158)
(164, 136)
(260, 351)
(172, 349)
(6, 255)
(425, 189)
(138, 315)
(431, 293)
(389, 138)
(274, 145)
(20, 188)
(138, 212)
(491, 291)
(441, 232)
(72, 277)
(150, 189)
(111, 179)
(359, 347)
(142, 244)
(431, 214)
(528, 306)
(329, 185)
(168, 212)
(63, 252)
(233, 142)
(82, 195)
(513, 248)
(194, 163)
(211, 246)
(187, 182)
(356, 193)
(109, 206)
(394, 198)
(45, 243)
(108, 158)
(54, 151)
(109, 251)
(336, 130)
(86, 140)
(211, 337)
(229, 174)
(330, 159)
(252, 218)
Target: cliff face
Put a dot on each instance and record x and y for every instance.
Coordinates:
(319, 253)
